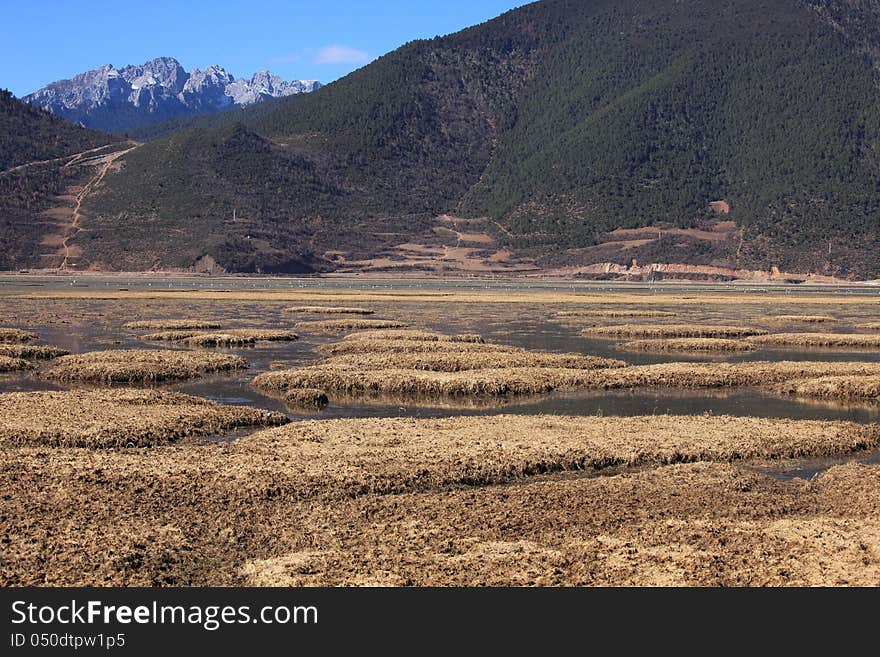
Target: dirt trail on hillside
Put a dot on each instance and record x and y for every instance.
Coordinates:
(74, 159)
(103, 163)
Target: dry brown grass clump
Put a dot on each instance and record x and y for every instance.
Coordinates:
(218, 340)
(818, 340)
(834, 387)
(412, 347)
(172, 324)
(8, 364)
(413, 335)
(240, 336)
(330, 310)
(170, 336)
(616, 313)
(403, 382)
(672, 331)
(869, 326)
(394, 455)
(31, 351)
(294, 509)
(532, 380)
(339, 325)
(696, 524)
(118, 418)
(472, 360)
(809, 319)
(306, 398)
(265, 335)
(140, 365)
(723, 375)
(14, 335)
(688, 344)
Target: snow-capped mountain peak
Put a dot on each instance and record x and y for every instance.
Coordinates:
(112, 99)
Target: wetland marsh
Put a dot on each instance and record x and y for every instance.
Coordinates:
(631, 434)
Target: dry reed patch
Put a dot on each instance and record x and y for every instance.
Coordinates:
(330, 310)
(385, 455)
(809, 319)
(218, 340)
(722, 375)
(14, 335)
(834, 387)
(170, 336)
(340, 325)
(412, 347)
(118, 418)
(172, 324)
(31, 351)
(534, 380)
(306, 398)
(476, 360)
(101, 517)
(140, 365)
(671, 331)
(869, 326)
(11, 364)
(687, 344)
(419, 383)
(695, 524)
(858, 340)
(616, 313)
(413, 335)
(241, 336)
(265, 335)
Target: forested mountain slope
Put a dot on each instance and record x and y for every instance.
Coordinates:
(41, 156)
(740, 133)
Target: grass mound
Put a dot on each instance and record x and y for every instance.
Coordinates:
(172, 324)
(171, 336)
(406, 383)
(687, 344)
(330, 310)
(818, 340)
(265, 335)
(864, 388)
(869, 326)
(412, 347)
(671, 331)
(339, 325)
(809, 319)
(475, 360)
(14, 335)
(31, 351)
(532, 380)
(118, 418)
(413, 335)
(140, 365)
(218, 340)
(306, 398)
(11, 364)
(393, 455)
(724, 375)
(616, 313)
(227, 337)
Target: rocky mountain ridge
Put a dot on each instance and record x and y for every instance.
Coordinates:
(112, 99)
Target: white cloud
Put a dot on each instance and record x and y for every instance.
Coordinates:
(341, 55)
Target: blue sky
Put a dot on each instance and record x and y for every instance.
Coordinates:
(46, 40)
